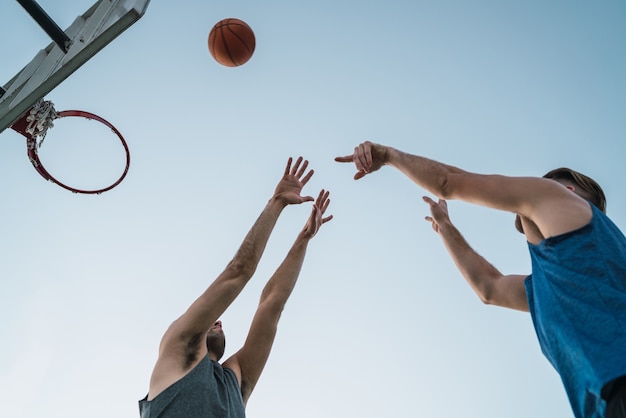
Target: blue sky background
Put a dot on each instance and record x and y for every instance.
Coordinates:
(380, 323)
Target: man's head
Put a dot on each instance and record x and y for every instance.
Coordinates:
(582, 185)
(216, 341)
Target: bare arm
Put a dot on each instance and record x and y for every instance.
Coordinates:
(491, 286)
(183, 344)
(549, 205)
(249, 361)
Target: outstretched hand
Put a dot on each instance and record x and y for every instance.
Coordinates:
(439, 213)
(367, 157)
(316, 220)
(293, 180)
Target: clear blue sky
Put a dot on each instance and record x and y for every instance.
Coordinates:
(380, 323)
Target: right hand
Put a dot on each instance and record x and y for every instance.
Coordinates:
(439, 213)
(316, 220)
(291, 184)
(367, 157)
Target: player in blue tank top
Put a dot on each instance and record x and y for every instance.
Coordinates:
(188, 381)
(576, 293)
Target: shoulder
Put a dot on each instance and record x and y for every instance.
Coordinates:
(174, 362)
(562, 214)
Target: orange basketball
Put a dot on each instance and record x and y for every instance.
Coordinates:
(231, 42)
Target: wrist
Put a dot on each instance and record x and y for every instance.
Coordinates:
(303, 238)
(447, 228)
(390, 155)
(276, 201)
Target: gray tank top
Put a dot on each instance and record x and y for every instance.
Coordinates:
(207, 391)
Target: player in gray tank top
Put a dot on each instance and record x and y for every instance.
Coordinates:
(209, 390)
(188, 381)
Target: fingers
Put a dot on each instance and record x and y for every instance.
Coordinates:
(323, 201)
(362, 159)
(298, 170)
(308, 176)
(326, 203)
(432, 205)
(433, 223)
(328, 218)
(298, 173)
(320, 196)
(438, 213)
(321, 204)
(288, 168)
(440, 202)
(365, 156)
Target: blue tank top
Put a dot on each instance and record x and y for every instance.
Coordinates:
(207, 391)
(577, 299)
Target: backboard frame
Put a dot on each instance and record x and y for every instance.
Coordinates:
(89, 33)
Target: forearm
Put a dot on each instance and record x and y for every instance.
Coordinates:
(220, 294)
(251, 358)
(249, 253)
(478, 272)
(281, 284)
(428, 174)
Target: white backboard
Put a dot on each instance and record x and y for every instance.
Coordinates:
(89, 33)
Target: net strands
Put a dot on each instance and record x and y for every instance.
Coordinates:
(39, 120)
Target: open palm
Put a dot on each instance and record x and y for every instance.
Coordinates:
(316, 220)
(293, 180)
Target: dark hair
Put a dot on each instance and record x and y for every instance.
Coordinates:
(587, 187)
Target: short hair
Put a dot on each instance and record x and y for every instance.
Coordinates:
(587, 187)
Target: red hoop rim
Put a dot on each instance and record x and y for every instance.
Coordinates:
(34, 157)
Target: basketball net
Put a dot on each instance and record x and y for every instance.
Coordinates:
(39, 120)
(35, 124)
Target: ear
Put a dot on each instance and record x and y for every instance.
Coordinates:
(570, 188)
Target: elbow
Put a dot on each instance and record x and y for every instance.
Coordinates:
(486, 295)
(239, 268)
(444, 187)
(273, 307)
(486, 300)
(450, 184)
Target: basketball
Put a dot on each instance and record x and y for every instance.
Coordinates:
(231, 42)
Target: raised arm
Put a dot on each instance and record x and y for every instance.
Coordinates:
(491, 286)
(549, 205)
(442, 180)
(183, 344)
(249, 361)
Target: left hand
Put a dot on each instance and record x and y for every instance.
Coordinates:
(439, 213)
(316, 220)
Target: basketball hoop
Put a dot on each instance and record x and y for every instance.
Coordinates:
(36, 123)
